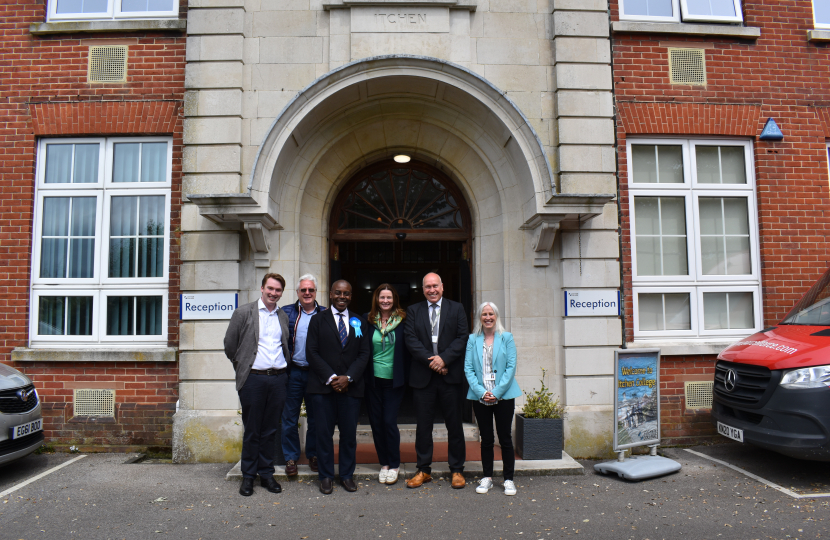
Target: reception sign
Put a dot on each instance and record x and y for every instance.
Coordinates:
(203, 306)
(592, 302)
(636, 397)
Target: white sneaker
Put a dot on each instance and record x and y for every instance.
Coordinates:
(391, 476)
(383, 475)
(509, 487)
(484, 485)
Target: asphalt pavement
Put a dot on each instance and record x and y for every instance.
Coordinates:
(103, 496)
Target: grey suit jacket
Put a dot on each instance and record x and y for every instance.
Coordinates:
(242, 340)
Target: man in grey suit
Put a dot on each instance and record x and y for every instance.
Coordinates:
(257, 344)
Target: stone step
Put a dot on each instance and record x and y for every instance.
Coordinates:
(439, 433)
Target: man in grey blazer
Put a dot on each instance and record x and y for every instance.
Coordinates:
(257, 344)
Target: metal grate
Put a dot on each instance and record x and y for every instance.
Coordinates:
(108, 64)
(94, 403)
(687, 66)
(699, 395)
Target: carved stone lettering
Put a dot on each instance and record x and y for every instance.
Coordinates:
(401, 19)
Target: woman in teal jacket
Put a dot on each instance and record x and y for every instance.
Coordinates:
(490, 367)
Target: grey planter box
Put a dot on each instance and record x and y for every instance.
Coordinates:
(539, 438)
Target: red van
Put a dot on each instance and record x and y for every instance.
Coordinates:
(772, 389)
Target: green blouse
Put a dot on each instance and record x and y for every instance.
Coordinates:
(383, 360)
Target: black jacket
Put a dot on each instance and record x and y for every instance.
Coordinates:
(452, 342)
(326, 357)
(400, 361)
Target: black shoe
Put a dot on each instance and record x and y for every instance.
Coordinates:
(325, 486)
(312, 464)
(348, 484)
(270, 484)
(247, 487)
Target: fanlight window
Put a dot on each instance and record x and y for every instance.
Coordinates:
(400, 198)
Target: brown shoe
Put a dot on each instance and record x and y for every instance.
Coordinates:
(312, 464)
(458, 481)
(418, 480)
(291, 468)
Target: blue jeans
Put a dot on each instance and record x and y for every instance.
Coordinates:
(297, 383)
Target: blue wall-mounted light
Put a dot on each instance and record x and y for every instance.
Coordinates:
(771, 131)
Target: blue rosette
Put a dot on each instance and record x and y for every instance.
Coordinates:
(356, 324)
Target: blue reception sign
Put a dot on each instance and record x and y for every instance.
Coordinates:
(592, 302)
(201, 306)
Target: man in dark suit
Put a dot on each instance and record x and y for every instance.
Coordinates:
(256, 343)
(436, 335)
(337, 351)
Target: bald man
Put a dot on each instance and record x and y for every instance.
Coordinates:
(337, 350)
(436, 335)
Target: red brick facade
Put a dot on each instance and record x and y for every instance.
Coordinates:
(45, 93)
(780, 75)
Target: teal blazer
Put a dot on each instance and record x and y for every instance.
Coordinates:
(504, 364)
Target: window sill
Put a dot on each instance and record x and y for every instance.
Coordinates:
(740, 32)
(818, 35)
(74, 27)
(161, 354)
(679, 348)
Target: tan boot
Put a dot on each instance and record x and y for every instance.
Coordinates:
(418, 480)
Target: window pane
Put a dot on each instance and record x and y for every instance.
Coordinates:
(736, 216)
(724, 311)
(657, 164)
(644, 163)
(81, 6)
(150, 257)
(712, 256)
(79, 315)
(55, 216)
(648, 256)
(125, 162)
(708, 164)
(732, 164)
(83, 216)
(120, 315)
(122, 257)
(86, 163)
(715, 316)
(720, 8)
(148, 316)
(650, 307)
(58, 164)
(651, 8)
(670, 164)
(82, 258)
(711, 215)
(678, 311)
(68, 237)
(675, 262)
(154, 159)
(737, 256)
(53, 257)
(660, 236)
(50, 315)
(151, 215)
(822, 10)
(741, 310)
(647, 215)
(720, 164)
(724, 237)
(123, 216)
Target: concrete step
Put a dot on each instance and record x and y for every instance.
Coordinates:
(439, 433)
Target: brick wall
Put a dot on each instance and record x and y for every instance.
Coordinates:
(779, 75)
(44, 93)
(679, 425)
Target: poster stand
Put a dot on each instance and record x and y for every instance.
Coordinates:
(637, 416)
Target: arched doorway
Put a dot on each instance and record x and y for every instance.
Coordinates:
(393, 223)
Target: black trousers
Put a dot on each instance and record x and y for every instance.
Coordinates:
(262, 398)
(448, 397)
(503, 413)
(339, 410)
(383, 403)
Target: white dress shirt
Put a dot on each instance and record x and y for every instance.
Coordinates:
(269, 354)
(336, 315)
(438, 316)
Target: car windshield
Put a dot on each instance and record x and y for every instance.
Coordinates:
(814, 308)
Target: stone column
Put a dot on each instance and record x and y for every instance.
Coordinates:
(585, 164)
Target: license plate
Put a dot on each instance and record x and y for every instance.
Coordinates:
(27, 429)
(733, 433)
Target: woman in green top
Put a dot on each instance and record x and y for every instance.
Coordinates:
(386, 378)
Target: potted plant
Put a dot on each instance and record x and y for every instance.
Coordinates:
(539, 429)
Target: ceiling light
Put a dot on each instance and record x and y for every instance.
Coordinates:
(402, 158)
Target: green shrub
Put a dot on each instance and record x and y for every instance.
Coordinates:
(540, 403)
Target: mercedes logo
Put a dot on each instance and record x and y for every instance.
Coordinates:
(731, 380)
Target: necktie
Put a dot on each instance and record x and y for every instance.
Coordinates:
(341, 331)
(434, 322)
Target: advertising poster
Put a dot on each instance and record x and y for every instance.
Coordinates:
(637, 398)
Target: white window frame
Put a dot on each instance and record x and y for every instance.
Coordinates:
(113, 13)
(695, 283)
(817, 24)
(675, 17)
(687, 17)
(100, 285)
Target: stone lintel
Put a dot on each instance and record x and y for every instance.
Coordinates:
(634, 27)
(74, 27)
(818, 35)
(160, 354)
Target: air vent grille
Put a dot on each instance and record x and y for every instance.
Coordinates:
(699, 395)
(687, 66)
(94, 403)
(108, 64)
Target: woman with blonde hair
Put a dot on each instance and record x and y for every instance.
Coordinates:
(490, 367)
(386, 378)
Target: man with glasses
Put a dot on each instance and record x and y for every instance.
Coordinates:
(337, 350)
(299, 315)
(436, 335)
